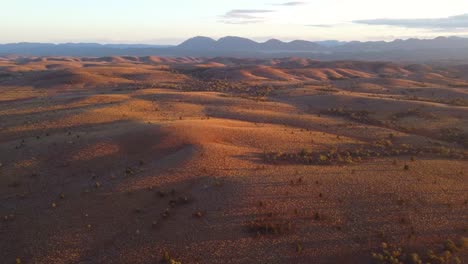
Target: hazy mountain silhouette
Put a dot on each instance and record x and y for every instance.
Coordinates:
(244, 44)
(409, 44)
(198, 43)
(441, 48)
(73, 49)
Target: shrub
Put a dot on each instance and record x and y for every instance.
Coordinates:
(269, 225)
(167, 259)
(299, 248)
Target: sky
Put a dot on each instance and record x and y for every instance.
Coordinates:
(172, 21)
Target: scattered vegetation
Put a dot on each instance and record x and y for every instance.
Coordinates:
(179, 201)
(225, 86)
(9, 217)
(168, 259)
(269, 225)
(457, 101)
(129, 171)
(382, 148)
(362, 116)
(454, 135)
(299, 248)
(447, 253)
(15, 184)
(199, 214)
(416, 112)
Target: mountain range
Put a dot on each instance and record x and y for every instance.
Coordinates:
(441, 48)
(243, 44)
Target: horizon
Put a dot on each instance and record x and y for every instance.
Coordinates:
(216, 39)
(147, 22)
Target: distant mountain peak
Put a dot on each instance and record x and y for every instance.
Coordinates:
(236, 43)
(244, 44)
(233, 38)
(200, 38)
(197, 43)
(273, 41)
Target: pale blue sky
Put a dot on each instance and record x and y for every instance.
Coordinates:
(171, 21)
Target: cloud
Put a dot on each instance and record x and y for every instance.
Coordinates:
(298, 3)
(452, 22)
(246, 13)
(244, 16)
(252, 16)
(321, 25)
(242, 22)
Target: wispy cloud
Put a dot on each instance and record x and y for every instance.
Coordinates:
(252, 16)
(244, 16)
(322, 25)
(297, 3)
(452, 22)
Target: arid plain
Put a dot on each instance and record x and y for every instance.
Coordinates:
(191, 160)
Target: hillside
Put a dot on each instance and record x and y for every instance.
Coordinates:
(147, 159)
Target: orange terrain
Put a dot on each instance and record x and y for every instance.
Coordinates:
(191, 160)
